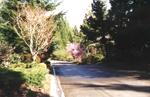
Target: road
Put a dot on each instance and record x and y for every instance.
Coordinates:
(100, 81)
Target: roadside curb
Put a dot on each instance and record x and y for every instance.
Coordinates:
(56, 89)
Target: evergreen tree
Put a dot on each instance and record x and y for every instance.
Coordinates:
(63, 34)
(94, 25)
(129, 26)
(78, 36)
(119, 18)
(126, 24)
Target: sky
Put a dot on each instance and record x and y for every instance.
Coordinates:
(75, 10)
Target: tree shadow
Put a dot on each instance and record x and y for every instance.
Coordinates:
(142, 71)
(12, 85)
(119, 87)
(97, 71)
(102, 77)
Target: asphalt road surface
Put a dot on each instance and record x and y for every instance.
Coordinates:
(100, 81)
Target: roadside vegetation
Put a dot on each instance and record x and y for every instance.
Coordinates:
(121, 33)
(30, 33)
(26, 30)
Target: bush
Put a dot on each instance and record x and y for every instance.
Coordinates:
(26, 57)
(15, 58)
(61, 54)
(93, 58)
(9, 79)
(33, 73)
(5, 53)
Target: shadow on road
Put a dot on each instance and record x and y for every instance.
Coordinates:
(115, 87)
(97, 71)
(102, 79)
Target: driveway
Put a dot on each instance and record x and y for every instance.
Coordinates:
(101, 81)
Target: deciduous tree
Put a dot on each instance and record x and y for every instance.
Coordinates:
(35, 28)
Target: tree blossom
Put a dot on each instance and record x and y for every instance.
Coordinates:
(75, 50)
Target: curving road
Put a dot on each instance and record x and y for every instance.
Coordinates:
(100, 81)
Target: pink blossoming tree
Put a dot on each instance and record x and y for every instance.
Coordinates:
(75, 50)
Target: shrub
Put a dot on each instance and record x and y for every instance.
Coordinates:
(5, 53)
(61, 54)
(26, 57)
(10, 79)
(15, 58)
(93, 58)
(33, 73)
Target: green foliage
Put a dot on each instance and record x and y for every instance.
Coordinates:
(10, 79)
(78, 37)
(93, 58)
(8, 13)
(26, 57)
(64, 34)
(129, 22)
(5, 53)
(95, 30)
(61, 54)
(46, 4)
(33, 73)
(94, 22)
(15, 58)
(123, 31)
(94, 53)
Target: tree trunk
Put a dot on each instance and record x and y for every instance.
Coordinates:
(34, 57)
(34, 54)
